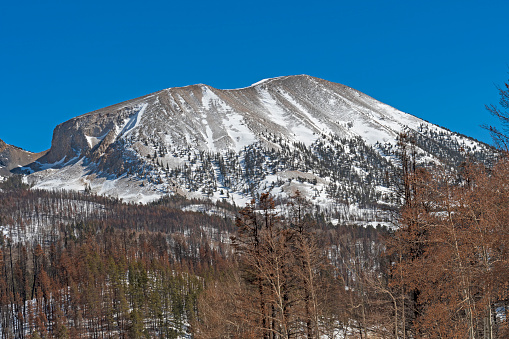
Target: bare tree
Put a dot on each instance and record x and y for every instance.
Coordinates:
(284, 286)
(459, 225)
(500, 135)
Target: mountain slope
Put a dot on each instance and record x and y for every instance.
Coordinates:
(12, 157)
(330, 141)
(212, 119)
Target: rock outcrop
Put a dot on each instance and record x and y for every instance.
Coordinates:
(12, 157)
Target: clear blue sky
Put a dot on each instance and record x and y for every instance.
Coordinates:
(438, 60)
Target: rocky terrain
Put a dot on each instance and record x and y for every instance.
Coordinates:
(12, 157)
(331, 142)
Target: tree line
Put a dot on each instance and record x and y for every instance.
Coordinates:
(75, 265)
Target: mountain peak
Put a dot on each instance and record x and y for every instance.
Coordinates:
(277, 135)
(281, 78)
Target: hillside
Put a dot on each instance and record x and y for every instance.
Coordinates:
(331, 142)
(12, 157)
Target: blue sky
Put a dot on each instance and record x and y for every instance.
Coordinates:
(438, 60)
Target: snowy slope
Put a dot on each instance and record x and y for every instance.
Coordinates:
(278, 135)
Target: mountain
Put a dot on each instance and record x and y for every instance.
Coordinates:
(331, 142)
(12, 157)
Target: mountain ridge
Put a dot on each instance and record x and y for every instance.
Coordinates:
(12, 157)
(279, 134)
(188, 91)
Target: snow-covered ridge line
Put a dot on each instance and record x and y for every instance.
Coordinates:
(199, 141)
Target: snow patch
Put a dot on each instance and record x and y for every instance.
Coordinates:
(238, 131)
(133, 121)
(261, 82)
(93, 141)
(273, 111)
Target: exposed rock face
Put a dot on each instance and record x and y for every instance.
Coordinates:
(90, 132)
(203, 141)
(12, 157)
(209, 119)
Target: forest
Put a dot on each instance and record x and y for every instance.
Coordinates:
(78, 265)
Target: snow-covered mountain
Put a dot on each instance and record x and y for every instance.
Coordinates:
(333, 143)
